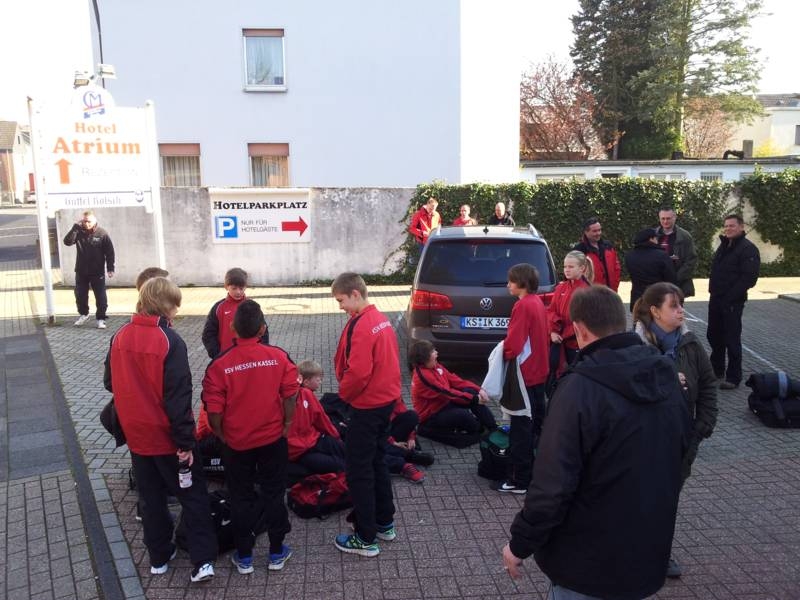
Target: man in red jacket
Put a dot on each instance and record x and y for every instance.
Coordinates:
(425, 220)
(249, 393)
(367, 367)
(147, 370)
(601, 252)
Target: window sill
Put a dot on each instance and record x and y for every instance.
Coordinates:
(265, 88)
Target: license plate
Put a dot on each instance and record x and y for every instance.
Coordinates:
(484, 322)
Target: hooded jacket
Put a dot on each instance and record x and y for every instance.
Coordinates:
(647, 264)
(599, 515)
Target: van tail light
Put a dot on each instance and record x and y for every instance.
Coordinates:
(422, 300)
(547, 298)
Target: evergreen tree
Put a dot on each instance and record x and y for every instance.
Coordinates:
(644, 58)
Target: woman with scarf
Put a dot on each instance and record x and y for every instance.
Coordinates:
(658, 318)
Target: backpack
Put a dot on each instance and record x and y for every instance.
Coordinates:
(319, 496)
(775, 399)
(219, 501)
(494, 455)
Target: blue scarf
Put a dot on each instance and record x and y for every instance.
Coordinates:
(667, 342)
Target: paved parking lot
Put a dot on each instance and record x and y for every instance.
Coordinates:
(738, 532)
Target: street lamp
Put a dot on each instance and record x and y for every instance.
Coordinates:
(103, 71)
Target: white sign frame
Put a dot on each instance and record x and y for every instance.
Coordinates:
(260, 215)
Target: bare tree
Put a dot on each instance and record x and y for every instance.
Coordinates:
(707, 128)
(557, 114)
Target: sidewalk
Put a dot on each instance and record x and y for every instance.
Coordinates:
(70, 530)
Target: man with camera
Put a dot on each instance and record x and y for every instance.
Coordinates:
(95, 258)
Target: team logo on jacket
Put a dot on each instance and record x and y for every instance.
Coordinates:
(486, 303)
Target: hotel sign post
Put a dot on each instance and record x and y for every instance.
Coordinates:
(90, 154)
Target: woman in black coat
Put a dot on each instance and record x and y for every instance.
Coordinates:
(647, 263)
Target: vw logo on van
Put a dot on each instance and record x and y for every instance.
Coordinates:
(486, 303)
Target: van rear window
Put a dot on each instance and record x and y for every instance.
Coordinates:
(481, 262)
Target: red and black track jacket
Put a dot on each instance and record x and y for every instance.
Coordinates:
(433, 389)
(308, 424)
(529, 322)
(558, 310)
(367, 363)
(604, 260)
(218, 332)
(147, 370)
(247, 384)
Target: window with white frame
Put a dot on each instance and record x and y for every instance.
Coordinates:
(797, 135)
(662, 176)
(264, 64)
(711, 176)
(180, 165)
(269, 165)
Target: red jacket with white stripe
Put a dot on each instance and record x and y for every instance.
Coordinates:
(433, 389)
(367, 362)
(147, 370)
(308, 424)
(529, 322)
(247, 385)
(218, 334)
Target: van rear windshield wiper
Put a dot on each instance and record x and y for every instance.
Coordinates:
(495, 283)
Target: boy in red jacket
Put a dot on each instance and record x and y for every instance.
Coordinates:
(249, 392)
(367, 367)
(528, 343)
(147, 370)
(313, 440)
(443, 400)
(218, 331)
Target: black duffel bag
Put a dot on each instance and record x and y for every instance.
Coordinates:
(775, 399)
(494, 455)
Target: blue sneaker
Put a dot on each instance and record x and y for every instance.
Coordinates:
(244, 565)
(386, 532)
(352, 544)
(276, 561)
(505, 428)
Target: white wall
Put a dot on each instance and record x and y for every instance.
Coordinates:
(354, 230)
(372, 100)
(492, 35)
(778, 126)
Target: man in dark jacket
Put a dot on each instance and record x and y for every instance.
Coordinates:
(679, 246)
(601, 252)
(647, 264)
(95, 258)
(501, 216)
(734, 270)
(600, 512)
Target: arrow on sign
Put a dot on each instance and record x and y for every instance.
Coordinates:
(298, 225)
(63, 170)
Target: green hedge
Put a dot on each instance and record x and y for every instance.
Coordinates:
(558, 209)
(776, 200)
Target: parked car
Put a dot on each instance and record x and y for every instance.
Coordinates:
(459, 300)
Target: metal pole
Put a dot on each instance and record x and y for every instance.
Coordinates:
(155, 182)
(41, 212)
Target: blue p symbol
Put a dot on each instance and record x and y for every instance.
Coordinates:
(226, 227)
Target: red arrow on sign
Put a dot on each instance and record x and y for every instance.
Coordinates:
(63, 170)
(298, 225)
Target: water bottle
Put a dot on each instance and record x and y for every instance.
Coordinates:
(184, 474)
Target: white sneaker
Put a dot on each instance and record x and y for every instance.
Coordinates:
(81, 320)
(202, 573)
(101, 324)
(160, 570)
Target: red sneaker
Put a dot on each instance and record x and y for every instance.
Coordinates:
(412, 473)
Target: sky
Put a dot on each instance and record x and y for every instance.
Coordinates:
(774, 32)
(43, 42)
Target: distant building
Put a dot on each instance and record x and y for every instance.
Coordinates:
(698, 170)
(778, 131)
(16, 165)
(326, 94)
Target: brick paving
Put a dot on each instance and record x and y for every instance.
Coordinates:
(738, 529)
